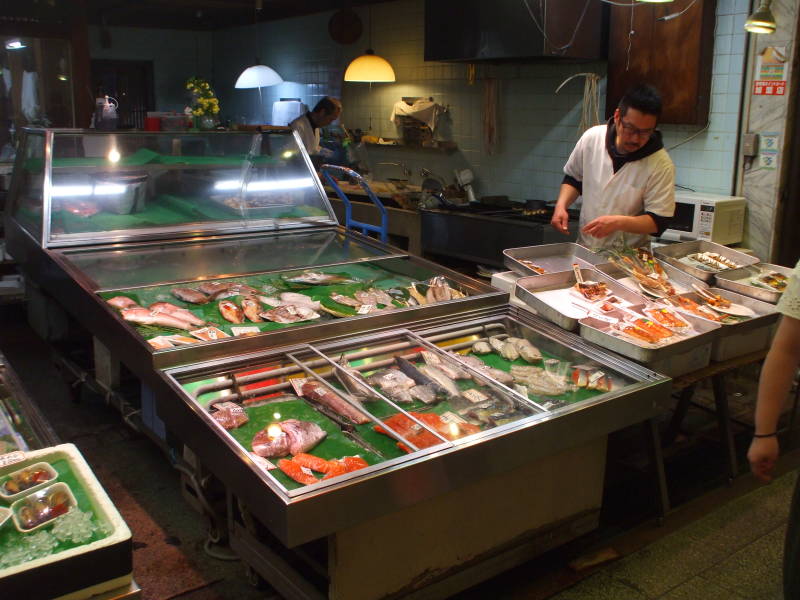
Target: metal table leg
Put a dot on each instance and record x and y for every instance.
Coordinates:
(653, 443)
(724, 423)
(681, 408)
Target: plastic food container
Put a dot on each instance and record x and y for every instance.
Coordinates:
(43, 507)
(51, 474)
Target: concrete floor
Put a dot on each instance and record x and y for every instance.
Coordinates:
(721, 542)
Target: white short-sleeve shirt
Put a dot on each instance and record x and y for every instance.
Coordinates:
(639, 186)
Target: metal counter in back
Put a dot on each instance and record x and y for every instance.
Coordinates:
(552, 296)
(680, 255)
(552, 258)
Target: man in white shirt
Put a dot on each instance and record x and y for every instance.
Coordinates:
(624, 175)
(308, 125)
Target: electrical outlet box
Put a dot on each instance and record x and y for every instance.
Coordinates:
(750, 144)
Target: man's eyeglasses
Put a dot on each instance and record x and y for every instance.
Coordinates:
(631, 130)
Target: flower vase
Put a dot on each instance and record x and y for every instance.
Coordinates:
(206, 123)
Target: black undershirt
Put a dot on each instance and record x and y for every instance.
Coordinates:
(618, 160)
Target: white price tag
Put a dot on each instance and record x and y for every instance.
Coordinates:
(11, 458)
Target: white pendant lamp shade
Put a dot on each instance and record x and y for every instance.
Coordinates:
(369, 67)
(761, 21)
(258, 76)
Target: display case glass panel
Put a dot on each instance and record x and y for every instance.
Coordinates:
(130, 185)
(324, 412)
(28, 183)
(159, 262)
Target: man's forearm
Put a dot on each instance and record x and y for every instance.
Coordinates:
(638, 224)
(566, 196)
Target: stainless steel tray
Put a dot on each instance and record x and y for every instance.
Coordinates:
(551, 257)
(765, 313)
(674, 253)
(527, 289)
(682, 281)
(597, 331)
(738, 280)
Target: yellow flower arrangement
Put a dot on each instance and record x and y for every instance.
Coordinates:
(204, 101)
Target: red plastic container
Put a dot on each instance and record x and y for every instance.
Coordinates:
(152, 124)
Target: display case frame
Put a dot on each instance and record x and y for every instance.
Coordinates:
(301, 517)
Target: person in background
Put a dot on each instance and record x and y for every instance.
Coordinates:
(308, 125)
(624, 175)
(777, 374)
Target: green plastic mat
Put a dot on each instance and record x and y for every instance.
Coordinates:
(367, 276)
(335, 444)
(11, 539)
(385, 445)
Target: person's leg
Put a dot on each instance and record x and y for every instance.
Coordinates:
(791, 548)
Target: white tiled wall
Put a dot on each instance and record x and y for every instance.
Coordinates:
(537, 128)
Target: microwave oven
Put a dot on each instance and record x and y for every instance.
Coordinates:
(709, 217)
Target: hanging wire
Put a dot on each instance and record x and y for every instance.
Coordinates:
(631, 32)
(543, 9)
(677, 14)
(590, 106)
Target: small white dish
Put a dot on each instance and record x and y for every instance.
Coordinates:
(10, 497)
(42, 496)
(736, 310)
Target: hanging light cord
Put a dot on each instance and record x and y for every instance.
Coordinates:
(566, 46)
(675, 15)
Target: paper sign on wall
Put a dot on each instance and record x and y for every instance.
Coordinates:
(768, 151)
(770, 77)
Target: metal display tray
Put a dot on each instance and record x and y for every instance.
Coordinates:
(527, 288)
(675, 252)
(765, 313)
(737, 280)
(681, 280)
(597, 331)
(551, 257)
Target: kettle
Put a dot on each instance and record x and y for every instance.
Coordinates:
(105, 113)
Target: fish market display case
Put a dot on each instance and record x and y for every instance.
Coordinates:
(153, 218)
(493, 421)
(397, 391)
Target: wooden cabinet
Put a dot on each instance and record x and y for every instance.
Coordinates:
(675, 55)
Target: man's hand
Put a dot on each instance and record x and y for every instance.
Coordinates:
(602, 226)
(763, 455)
(560, 220)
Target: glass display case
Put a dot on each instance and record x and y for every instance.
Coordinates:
(311, 420)
(88, 187)
(198, 244)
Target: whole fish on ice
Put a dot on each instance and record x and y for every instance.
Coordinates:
(289, 437)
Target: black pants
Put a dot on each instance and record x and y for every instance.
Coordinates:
(791, 549)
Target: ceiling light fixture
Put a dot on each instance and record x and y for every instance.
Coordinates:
(369, 67)
(761, 21)
(258, 75)
(15, 44)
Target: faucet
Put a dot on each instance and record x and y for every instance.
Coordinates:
(406, 170)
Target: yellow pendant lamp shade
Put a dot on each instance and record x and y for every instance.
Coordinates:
(761, 21)
(369, 67)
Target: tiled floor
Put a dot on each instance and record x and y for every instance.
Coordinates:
(733, 552)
